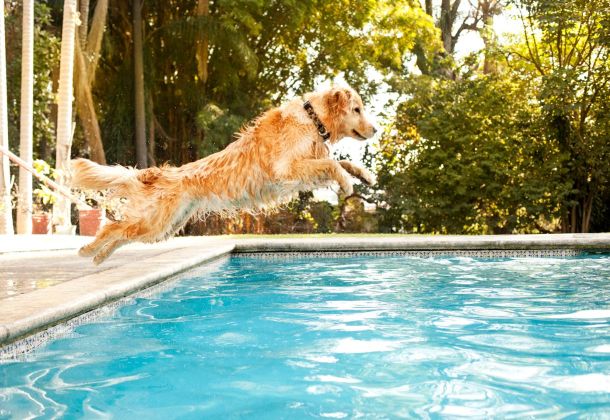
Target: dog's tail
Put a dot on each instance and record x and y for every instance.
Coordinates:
(90, 175)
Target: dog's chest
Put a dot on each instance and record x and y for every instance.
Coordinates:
(320, 150)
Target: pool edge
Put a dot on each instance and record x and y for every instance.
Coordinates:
(580, 242)
(59, 304)
(67, 301)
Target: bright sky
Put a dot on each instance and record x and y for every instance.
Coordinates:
(505, 25)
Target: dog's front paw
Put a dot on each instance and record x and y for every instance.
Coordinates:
(368, 178)
(346, 186)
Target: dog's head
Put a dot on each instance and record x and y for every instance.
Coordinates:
(346, 114)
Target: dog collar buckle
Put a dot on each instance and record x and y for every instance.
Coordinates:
(322, 131)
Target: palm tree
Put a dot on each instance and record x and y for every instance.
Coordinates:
(24, 207)
(203, 43)
(83, 29)
(61, 208)
(6, 217)
(140, 126)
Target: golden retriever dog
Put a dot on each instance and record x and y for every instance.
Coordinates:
(280, 153)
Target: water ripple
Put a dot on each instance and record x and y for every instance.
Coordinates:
(339, 338)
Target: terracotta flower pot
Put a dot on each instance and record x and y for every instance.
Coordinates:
(41, 223)
(89, 221)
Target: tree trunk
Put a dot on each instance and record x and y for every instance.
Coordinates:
(488, 9)
(422, 62)
(6, 215)
(151, 131)
(577, 217)
(85, 108)
(24, 208)
(446, 26)
(61, 208)
(586, 213)
(87, 52)
(445, 23)
(46, 148)
(429, 10)
(94, 39)
(84, 22)
(203, 9)
(138, 67)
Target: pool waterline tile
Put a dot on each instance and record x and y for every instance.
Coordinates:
(538, 253)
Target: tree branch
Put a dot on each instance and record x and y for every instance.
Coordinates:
(532, 58)
(454, 10)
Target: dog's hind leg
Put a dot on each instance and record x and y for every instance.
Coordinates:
(109, 232)
(152, 227)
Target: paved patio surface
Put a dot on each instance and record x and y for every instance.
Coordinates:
(32, 243)
(24, 270)
(44, 282)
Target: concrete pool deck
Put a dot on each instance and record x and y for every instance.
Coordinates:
(43, 282)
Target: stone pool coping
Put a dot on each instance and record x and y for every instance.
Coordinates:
(583, 242)
(28, 313)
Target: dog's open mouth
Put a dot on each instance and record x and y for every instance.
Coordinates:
(358, 135)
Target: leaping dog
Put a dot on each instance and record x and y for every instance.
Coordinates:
(280, 153)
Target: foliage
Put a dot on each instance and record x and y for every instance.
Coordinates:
(523, 149)
(568, 44)
(44, 197)
(469, 156)
(512, 138)
(260, 52)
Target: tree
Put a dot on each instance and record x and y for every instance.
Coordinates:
(87, 51)
(489, 9)
(469, 156)
(517, 147)
(46, 64)
(203, 43)
(84, 24)
(61, 208)
(212, 66)
(6, 217)
(566, 45)
(138, 68)
(24, 208)
(451, 25)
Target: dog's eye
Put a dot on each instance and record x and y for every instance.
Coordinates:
(357, 110)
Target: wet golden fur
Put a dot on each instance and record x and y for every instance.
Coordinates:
(274, 158)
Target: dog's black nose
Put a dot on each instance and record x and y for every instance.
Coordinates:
(374, 129)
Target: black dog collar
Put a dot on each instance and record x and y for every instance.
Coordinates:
(322, 131)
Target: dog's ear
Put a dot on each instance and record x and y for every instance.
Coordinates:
(338, 101)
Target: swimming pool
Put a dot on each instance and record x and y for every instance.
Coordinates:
(336, 338)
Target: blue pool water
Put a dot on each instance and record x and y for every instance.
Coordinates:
(371, 337)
